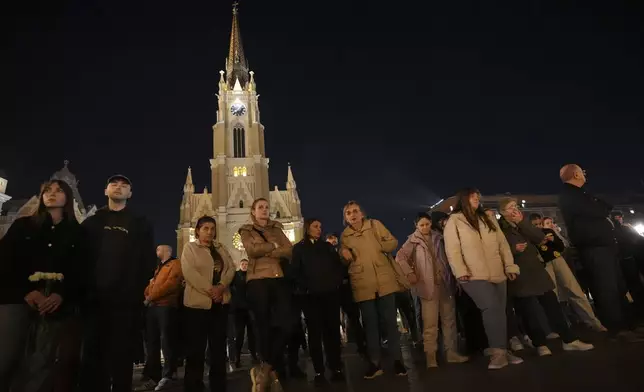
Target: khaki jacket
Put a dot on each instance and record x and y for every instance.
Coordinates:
(198, 267)
(263, 257)
(371, 271)
(165, 286)
(485, 256)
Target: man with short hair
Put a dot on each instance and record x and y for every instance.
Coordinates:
(162, 300)
(242, 317)
(122, 259)
(592, 232)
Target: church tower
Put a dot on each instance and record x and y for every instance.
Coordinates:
(239, 167)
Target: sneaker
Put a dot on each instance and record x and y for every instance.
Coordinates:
(373, 371)
(320, 380)
(515, 344)
(454, 357)
(488, 352)
(598, 328)
(498, 359)
(527, 341)
(513, 359)
(338, 376)
(543, 351)
(629, 337)
(577, 345)
(165, 383)
(553, 336)
(400, 368)
(148, 385)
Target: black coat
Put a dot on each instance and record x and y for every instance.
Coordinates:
(586, 217)
(533, 279)
(123, 256)
(238, 291)
(317, 267)
(32, 245)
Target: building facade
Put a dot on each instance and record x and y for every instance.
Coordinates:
(239, 167)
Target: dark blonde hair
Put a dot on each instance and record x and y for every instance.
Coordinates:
(472, 216)
(252, 207)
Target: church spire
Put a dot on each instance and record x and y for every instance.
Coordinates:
(290, 181)
(236, 64)
(189, 187)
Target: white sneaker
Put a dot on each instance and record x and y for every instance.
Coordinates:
(165, 383)
(513, 359)
(527, 341)
(543, 351)
(577, 345)
(515, 344)
(552, 336)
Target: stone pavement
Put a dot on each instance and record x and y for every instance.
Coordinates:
(611, 366)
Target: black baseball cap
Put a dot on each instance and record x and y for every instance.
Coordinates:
(117, 177)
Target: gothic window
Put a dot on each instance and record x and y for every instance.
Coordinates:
(192, 235)
(236, 171)
(244, 172)
(239, 142)
(241, 204)
(277, 215)
(237, 242)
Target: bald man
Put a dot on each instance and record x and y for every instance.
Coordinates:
(589, 227)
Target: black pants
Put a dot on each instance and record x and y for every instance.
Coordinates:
(322, 312)
(607, 286)
(205, 327)
(297, 337)
(270, 302)
(512, 322)
(631, 273)
(108, 349)
(470, 323)
(352, 310)
(525, 307)
(161, 325)
(244, 326)
(406, 307)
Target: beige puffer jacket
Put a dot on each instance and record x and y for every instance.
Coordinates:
(198, 267)
(482, 256)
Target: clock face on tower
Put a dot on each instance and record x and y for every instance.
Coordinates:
(238, 109)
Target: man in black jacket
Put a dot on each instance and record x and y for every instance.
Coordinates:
(592, 232)
(242, 319)
(122, 260)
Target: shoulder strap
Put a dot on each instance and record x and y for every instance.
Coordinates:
(260, 234)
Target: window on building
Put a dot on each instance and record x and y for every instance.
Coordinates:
(241, 204)
(244, 172)
(239, 142)
(236, 171)
(237, 242)
(290, 234)
(192, 235)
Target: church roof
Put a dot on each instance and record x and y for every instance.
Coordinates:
(236, 64)
(65, 175)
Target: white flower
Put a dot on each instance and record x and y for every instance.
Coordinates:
(34, 277)
(38, 276)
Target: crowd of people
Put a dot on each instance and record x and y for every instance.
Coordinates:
(73, 296)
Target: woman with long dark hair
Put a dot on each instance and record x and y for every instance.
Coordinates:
(482, 261)
(42, 260)
(269, 295)
(365, 245)
(208, 271)
(318, 272)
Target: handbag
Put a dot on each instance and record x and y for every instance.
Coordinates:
(401, 278)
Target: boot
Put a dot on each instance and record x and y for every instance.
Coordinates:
(260, 376)
(431, 360)
(455, 357)
(275, 385)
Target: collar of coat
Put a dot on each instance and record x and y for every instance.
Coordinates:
(255, 225)
(417, 238)
(366, 224)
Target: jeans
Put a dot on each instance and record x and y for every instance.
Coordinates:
(108, 349)
(606, 284)
(525, 306)
(205, 327)
(14, 325)
(322, 312)
(491, 299)
(404, 303)
(270, 302)
(161, 325)
(381, 308)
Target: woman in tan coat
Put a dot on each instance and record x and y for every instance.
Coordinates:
(208, 271)
(365, 244)
(268, 295)
(482, 261)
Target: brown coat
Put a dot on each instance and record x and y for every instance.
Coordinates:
(263, 257)
(165, 286)
(371, 271)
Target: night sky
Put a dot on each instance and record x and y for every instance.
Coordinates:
(394, 104)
